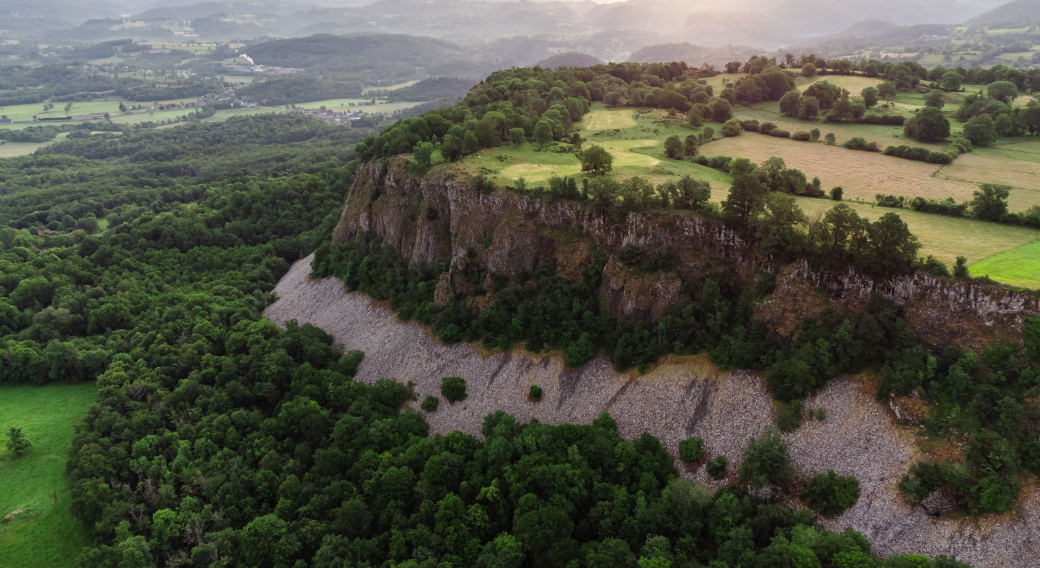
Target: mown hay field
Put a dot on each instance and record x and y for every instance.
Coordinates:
(1023, 176)
(1019, 266)
(852, 83)
(44, 534)
(1028, 150)
(14, 149)
(883, 135)
(606, 119)
(860, 174)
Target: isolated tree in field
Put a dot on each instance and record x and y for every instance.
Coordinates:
(673, 148)
(694, 118)
(732, 128)
(830, 139)
(733, 67)
(887, 91)
(808, 70)
(1003, 91)
(870, 96)
(720, 110)
(951, 81)
(576, 140)
(744, 200)
(542, 133)
(68, 108)
(596, 160)
(990, 204)
(814, 134)
(790, 103)
(516, 136)
(980, 130)
(929, 125)
(935, 98)
(690, 146)
(17, 443)
(809, 108)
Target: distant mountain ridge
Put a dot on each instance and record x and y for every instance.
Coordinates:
(1020, 11)
(572, 59)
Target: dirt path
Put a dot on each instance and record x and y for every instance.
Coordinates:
(681, 398)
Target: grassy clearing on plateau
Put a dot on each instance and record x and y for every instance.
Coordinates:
(604, 119)
(636, 140)
(1019, 266)
(45, 534)
(860, 174)
(854, 84)
(946, 238)
(13, 149)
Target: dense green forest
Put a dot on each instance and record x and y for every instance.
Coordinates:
(220, 439)
(299, 89)
(431, 89)
(71, 83)
(145, 260)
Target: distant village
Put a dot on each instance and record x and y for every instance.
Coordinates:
(330, 116)
(248, 66)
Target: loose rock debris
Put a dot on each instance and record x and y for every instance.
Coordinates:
(859, 436)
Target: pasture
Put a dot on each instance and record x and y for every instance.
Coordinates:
(45, 533)
(853, 83)
(367, 90)
(862, 175)
(635, 138)
(608, 119)
(946, 238)
(1019, 266)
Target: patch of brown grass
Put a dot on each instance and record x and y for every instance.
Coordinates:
(938, 451)
(860, 174)
(981, 168)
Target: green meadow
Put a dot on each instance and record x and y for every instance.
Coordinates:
(45, 533)
(1019, 266)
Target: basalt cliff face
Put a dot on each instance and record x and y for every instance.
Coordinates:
(443, 218)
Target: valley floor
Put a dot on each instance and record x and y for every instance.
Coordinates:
(680, 398)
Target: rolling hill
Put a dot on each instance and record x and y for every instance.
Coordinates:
(1017, 11)
(569, 60)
